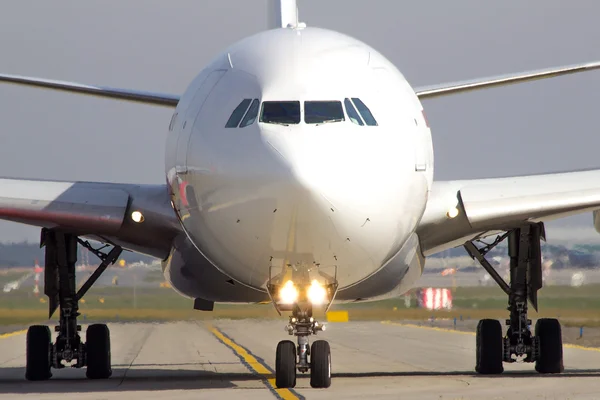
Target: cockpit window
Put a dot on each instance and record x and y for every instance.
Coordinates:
(320, 112)
(251, 114)
(237, 114)
(365, 112)
(280, 112)
(352, 113)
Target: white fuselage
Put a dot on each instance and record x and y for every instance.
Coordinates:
(332, 194)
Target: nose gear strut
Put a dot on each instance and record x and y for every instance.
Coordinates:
(289, 358)
(302, 325)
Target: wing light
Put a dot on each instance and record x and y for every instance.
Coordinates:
(137, 217)
(452, 213)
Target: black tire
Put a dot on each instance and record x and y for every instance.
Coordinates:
(285, 365)
(98, 352)
(39, 344)
(489, 347)
(549, 335)
(320, 364)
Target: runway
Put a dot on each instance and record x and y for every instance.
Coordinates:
(234, 359)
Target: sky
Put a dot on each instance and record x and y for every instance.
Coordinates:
(543, 126)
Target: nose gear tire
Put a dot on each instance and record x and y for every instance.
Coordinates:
(285, 364)
(320, 364)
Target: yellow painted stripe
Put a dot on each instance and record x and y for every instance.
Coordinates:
(253, 364)
(9, 334)
(576, 346)
(434, 328)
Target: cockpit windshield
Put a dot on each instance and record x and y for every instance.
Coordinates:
(280, 112)
(321, 112)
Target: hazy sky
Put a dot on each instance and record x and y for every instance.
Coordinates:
(160, 46)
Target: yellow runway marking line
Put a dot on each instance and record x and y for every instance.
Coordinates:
(576, 346)
(254, 365)
(434, 328)
(10, 334)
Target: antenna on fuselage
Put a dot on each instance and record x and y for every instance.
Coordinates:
(284, 14)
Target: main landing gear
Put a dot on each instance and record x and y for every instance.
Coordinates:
(544, 346)
(60, 287)
(290, 358)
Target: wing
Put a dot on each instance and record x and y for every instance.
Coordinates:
(501, 80)
(458, 211)
(166, 100)
(101, 211)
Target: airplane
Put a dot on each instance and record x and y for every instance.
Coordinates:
(299, 170)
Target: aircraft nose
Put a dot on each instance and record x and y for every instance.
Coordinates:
(302, 195)
(349, 170)
(358, 201)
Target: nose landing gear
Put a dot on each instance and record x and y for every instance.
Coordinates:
(316, 358)
(313, 287)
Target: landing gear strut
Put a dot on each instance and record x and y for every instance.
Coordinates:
(296, 289)
(290, 358)
(544, 346)
(60, 287)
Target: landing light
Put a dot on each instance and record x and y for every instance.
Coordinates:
(452, 213)
(137, 216)
(316, 293)
(288, 294)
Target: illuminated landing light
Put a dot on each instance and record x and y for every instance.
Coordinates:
(288, 294)
(452, 213)
(316, 294)
(137, 216)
